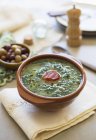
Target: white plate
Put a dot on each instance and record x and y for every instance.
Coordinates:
(87, 19)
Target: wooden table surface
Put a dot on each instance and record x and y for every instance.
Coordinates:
(8, 128)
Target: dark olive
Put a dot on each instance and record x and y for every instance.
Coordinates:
(8, 55)
(12, 57)
(7, 61)
(7, 47)
(13, 53)
(10, 51)
(27, 54)
(24, 50)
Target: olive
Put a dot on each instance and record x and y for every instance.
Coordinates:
(8, 55)
(3, 57)
(27, 54)
(3, 51)
(24, 50)
(13, 61)
(17, 51)
(23, 57)
(18, 58)
(12, 56)
(7, 47)
(10, 50)
(14, 47)
(7, 61)
(13, 53)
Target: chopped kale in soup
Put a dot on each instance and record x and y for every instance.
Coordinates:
(51, 77)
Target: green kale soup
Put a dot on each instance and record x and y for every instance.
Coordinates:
(51, 77)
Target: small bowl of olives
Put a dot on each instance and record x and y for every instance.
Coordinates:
(11, 56)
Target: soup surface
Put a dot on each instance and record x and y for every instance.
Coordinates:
(51, 77)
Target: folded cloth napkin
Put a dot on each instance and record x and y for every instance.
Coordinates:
(13, 18)
(39, 125)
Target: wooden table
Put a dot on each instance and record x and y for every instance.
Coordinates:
(8, 128)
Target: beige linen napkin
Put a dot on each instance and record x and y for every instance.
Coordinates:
(13, 18)
(39, 125)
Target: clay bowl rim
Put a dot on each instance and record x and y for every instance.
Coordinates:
(13, 64)
(54, 56)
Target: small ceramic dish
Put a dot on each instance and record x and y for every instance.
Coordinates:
(49, 103)
(15, 65)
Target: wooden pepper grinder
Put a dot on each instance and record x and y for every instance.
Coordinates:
(73, 32)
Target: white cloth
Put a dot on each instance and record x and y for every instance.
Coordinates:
(39, 125)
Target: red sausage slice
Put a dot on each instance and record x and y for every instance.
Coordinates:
(51, 75)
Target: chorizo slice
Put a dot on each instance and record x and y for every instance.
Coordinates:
(51, 75)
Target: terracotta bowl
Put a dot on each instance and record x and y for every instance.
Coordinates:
(49, 103)
(14, 66)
